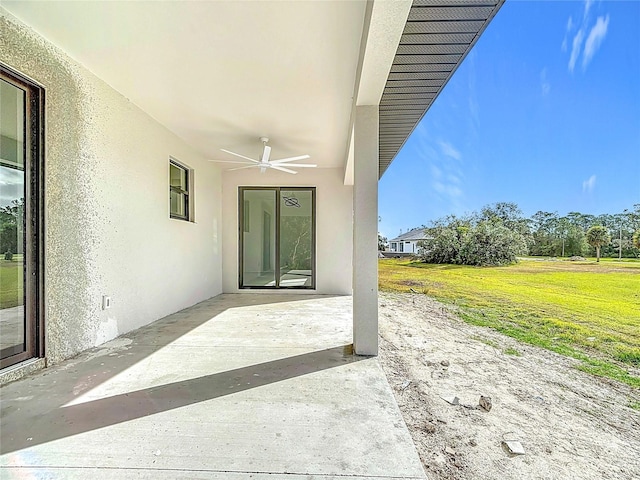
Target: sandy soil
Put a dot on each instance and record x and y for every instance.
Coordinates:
(571, 425)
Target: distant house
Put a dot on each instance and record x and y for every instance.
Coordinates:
(407, 243)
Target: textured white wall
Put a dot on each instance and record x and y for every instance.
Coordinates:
(107, 225)
(334, 230)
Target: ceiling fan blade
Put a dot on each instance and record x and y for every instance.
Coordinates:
(308, 165)
(290, 159)
(241, 156)
(282, 169)
(266, 153)
(242, 168)
(229, 161)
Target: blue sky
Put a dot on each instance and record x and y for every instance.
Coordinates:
(543, 112)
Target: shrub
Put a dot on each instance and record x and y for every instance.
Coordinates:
(482, 243)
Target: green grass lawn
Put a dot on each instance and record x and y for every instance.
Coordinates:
(11, 282)
(586, 310)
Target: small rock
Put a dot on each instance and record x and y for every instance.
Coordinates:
(449, 451)
(485, 403)
(453, 400)
(473, 442)
(514, 447)
(405, 384)
(157, 453)
(444, 363)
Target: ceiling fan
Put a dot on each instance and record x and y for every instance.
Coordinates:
(265, 162)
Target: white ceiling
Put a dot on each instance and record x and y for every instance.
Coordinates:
(222, 74)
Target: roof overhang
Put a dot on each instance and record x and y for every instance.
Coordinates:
(437, 37)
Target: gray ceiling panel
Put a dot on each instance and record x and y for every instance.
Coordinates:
(393, 129)
(418, 75)
(414, 83)
(432, 49)
(410, 59)
(410, 90)
(390, 98)
(436, 38)
(422, 67)
(443, 27)
(431, 14)
(455, 3)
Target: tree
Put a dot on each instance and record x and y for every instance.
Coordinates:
(636, 239)
(575, 242)
(382, 243)
(443, 245)
(597, 236)
(495, 236)
(11, 226)
(490, 243)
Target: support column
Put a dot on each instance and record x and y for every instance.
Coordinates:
(365, 231)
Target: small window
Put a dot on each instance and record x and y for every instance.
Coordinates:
(179, 189)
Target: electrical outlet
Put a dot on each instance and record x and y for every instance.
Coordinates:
(106, 302)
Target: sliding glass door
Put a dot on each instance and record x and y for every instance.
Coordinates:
(20, 219)
(277, 237)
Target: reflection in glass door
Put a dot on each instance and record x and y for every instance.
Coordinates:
(296, 238)
(19, 222)
(277, 238)
(258, 238)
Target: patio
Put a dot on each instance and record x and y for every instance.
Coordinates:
(238, 386)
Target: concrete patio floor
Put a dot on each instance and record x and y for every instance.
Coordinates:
(238, 386)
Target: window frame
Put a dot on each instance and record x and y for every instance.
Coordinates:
(186, 193)
(34, 216)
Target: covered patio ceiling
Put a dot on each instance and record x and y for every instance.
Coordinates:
(222, 74)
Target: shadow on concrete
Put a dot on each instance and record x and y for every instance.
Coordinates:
(71, 420)
(44, 418)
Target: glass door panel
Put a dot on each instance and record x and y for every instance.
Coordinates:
(258, 238)
(13, 331)
(296, 238)
(277, 237)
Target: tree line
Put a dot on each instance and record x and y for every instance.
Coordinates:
(11, 228)
(498, 233)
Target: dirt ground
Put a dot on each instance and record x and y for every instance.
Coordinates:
(571, 425)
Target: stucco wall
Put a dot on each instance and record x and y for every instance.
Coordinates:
(334, 224)
(108, 230)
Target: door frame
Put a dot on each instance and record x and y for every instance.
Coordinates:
(242, 209)
(33, 246)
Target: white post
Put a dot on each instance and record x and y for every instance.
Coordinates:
(365, 231)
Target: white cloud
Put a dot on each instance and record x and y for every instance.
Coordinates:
(453, 178)
(544, 82)
(589, 185)
(449, 150)
(587, 7)
(594, 40)
(448, 190)
(566, 33)
(575, 49)
(435, 171)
